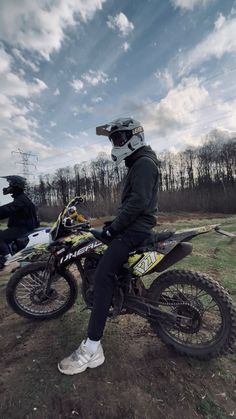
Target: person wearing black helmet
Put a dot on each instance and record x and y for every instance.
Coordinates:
(136, 217)
(21, 214)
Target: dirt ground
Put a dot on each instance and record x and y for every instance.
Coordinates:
(140, 379)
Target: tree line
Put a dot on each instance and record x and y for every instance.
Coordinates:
(197, 179)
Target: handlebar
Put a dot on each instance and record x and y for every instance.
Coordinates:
(80, 226)
(87, 227)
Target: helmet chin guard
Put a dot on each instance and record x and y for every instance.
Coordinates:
(16, 183)
(120, 153)
(126, 136)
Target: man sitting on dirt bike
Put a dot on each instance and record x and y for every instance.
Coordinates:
(132, 225)
(21, 215)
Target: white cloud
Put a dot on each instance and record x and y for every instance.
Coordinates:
(12, 85)
(28, 63)
(22, 123)
(77, 154)
(184, 116)
(126, 46)
(220, 21)
(190, 4)
(176, 110)
(120, 22)
(17, 127)
(52, 124)
(76, 137)
(40, 25)
(75, 110)
(165, 77)
(220, 41)
(72, 136)
(20, 139)
(219, 135)
(216, 84)
(97, 99)
(87, 109)
(56, 92)
(9, 109)
(83, 109)
(77, 85)
(95, 77)
(5, 61)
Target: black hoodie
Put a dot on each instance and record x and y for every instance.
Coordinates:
(21, 212)
(138, 207)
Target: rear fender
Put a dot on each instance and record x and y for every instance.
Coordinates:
(186, 235)
(178, 253)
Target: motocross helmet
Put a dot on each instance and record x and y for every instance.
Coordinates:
(16, 184)
(126, 136)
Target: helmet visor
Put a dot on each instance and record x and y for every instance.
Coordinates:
(119, 138)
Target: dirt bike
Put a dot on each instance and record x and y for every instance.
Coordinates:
(23, 246)
(188, 310)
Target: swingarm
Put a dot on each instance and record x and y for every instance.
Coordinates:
(151, 310)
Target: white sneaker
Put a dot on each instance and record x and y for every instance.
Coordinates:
(81, 359)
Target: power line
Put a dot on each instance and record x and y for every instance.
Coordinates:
(223, 116)
(230, 70)
(160, 97)
(25, 157)
(203, 124)
(182, 131)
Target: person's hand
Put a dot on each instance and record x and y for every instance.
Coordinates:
(107, 223)
(108, 232)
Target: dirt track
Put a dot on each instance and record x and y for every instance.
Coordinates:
(140, 379)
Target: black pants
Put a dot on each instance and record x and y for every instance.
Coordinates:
(7, 236)
(112, 261)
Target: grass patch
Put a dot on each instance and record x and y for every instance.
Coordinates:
(209, 409)
(212, 253)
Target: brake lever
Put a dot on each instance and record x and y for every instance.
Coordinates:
(80, 226)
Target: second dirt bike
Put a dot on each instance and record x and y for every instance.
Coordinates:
(188, 310)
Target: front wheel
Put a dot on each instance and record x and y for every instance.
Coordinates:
(27, 297)
(205, 324)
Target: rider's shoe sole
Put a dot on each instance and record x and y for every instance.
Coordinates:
(78, 370)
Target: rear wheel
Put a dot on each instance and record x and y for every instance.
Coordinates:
(27, 297)
(206, 323)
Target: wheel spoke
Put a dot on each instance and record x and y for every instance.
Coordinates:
(195, 302)
(30, 295)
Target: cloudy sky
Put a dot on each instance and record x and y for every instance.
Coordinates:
(69, 65)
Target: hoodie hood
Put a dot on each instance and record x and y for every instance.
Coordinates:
(145, 151)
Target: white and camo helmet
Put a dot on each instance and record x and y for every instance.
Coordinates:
(126, 136)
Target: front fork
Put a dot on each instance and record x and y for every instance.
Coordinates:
(49, 273)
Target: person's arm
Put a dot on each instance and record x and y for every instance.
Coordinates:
(143, 180)
(8, 209)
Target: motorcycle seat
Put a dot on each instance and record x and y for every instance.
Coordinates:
(21, 242)
(37, 230)
(150, 242)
